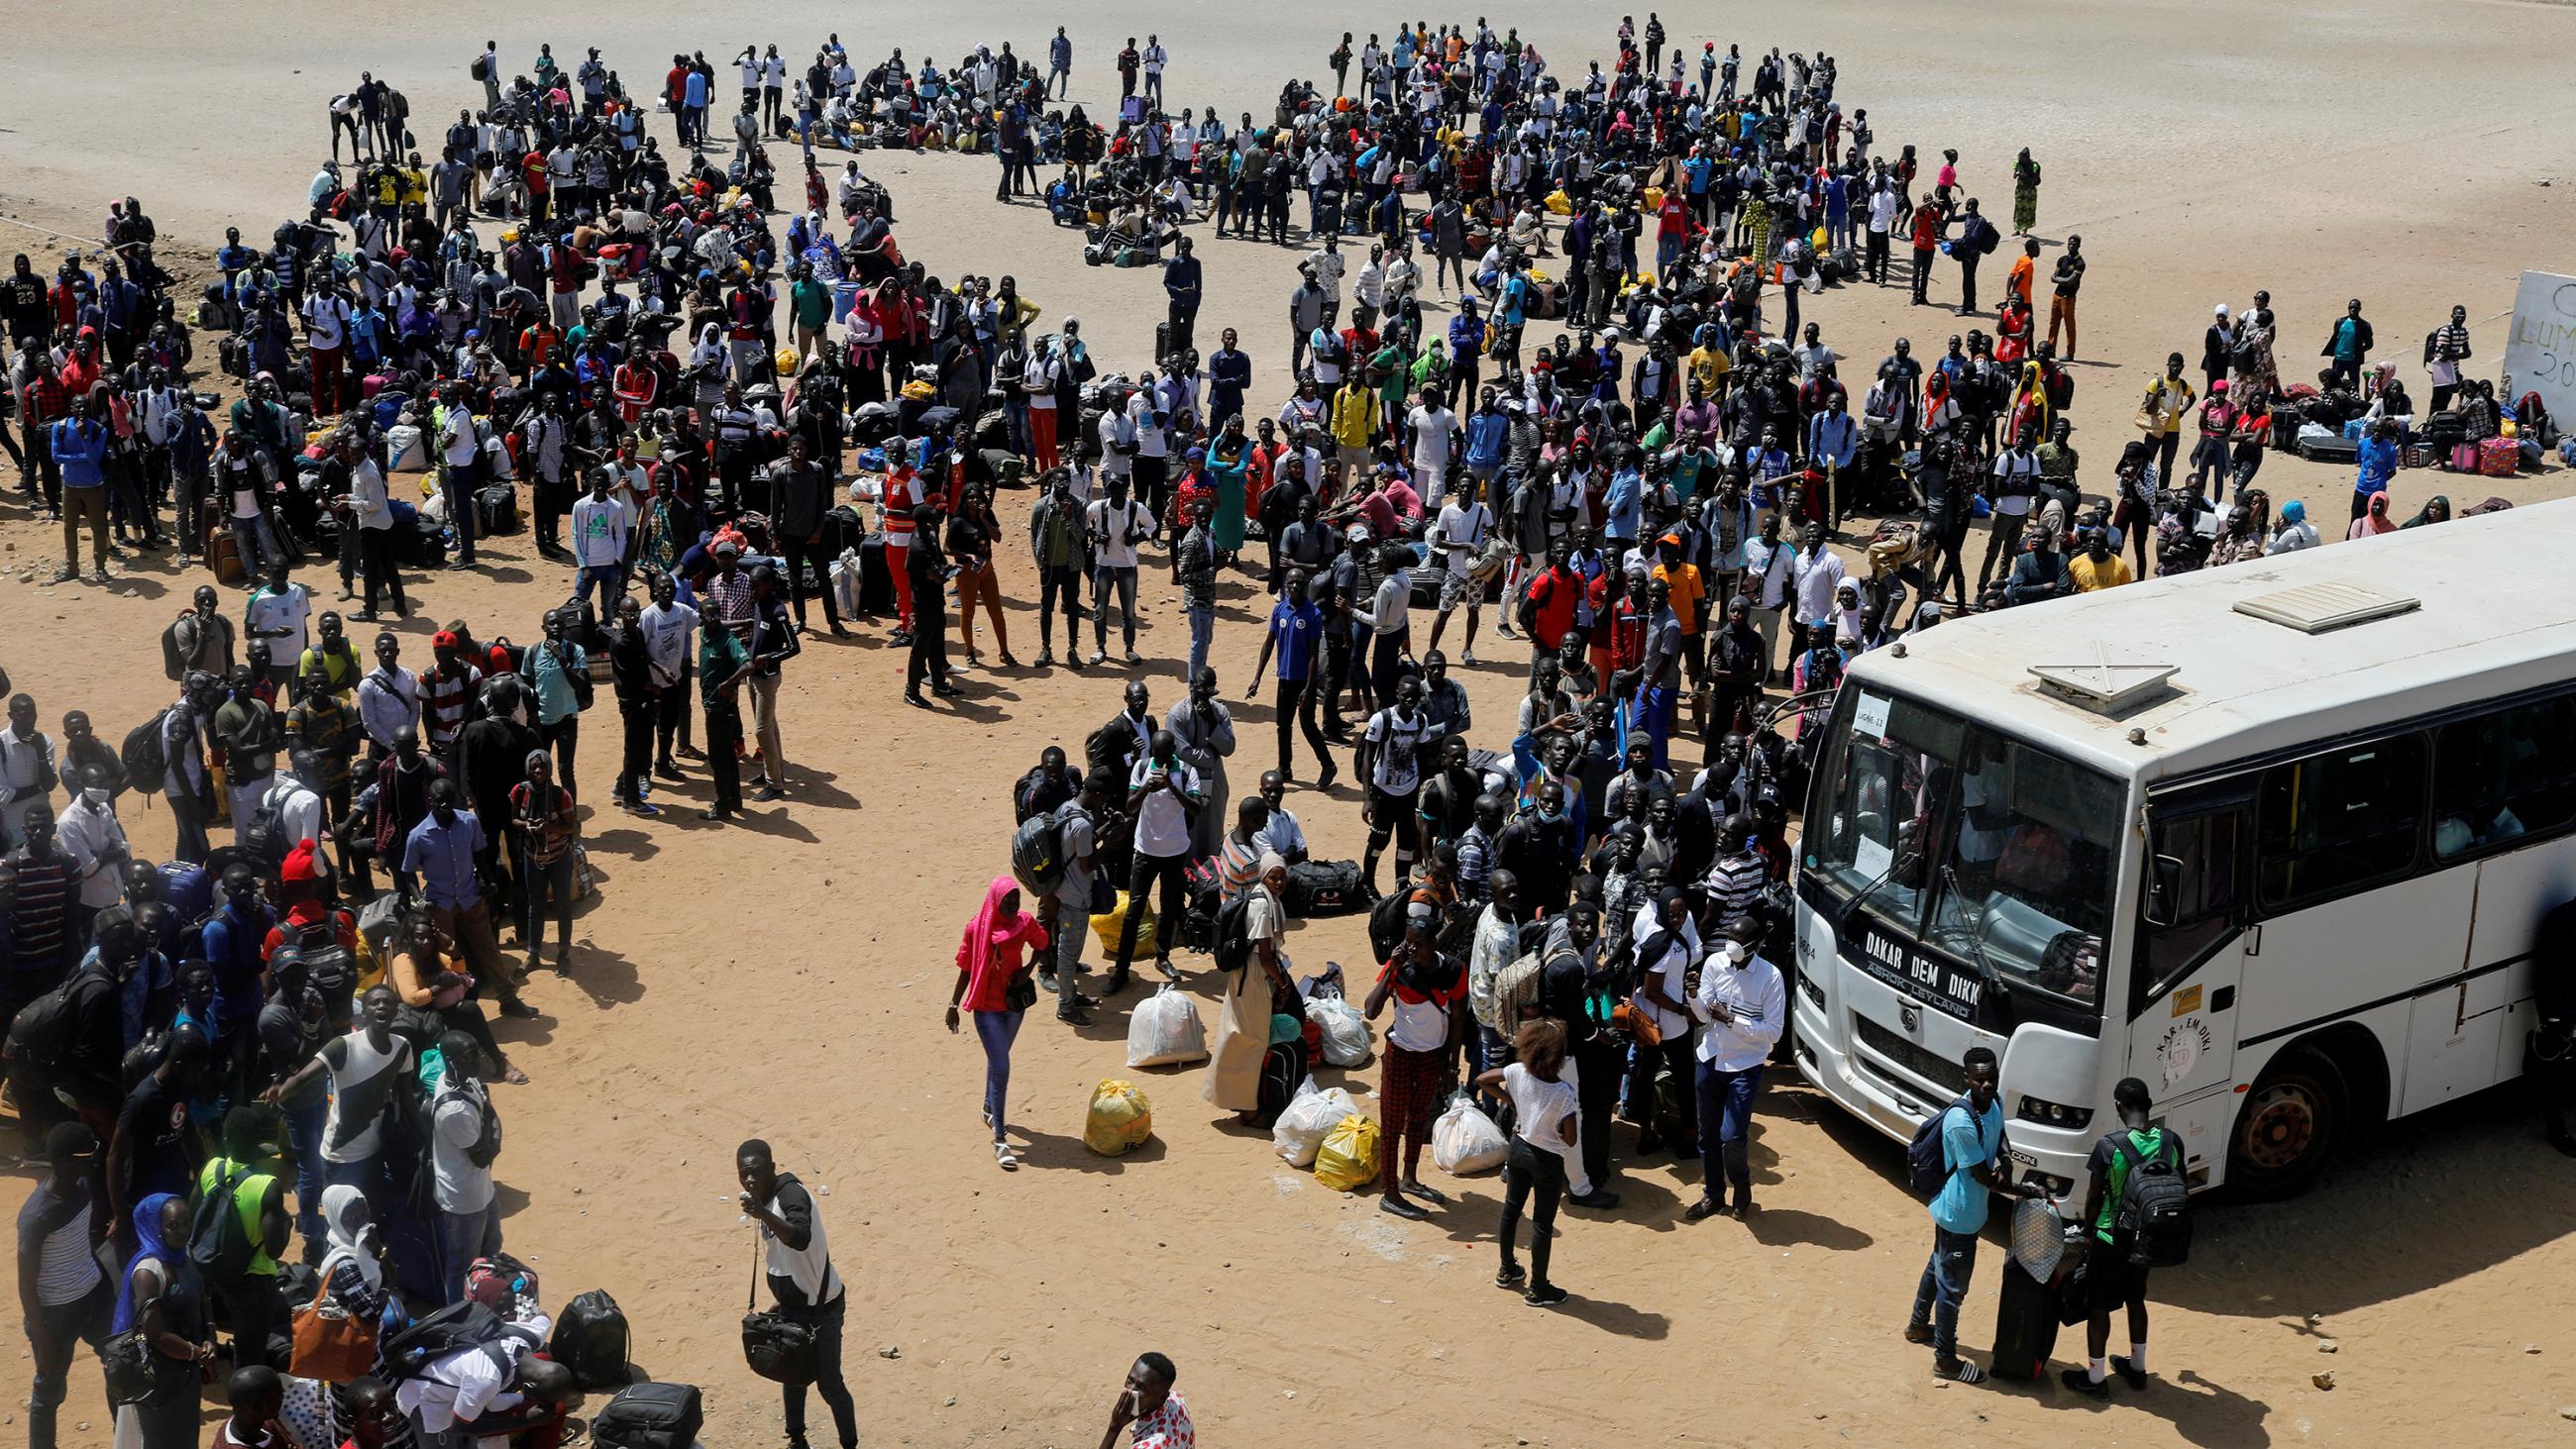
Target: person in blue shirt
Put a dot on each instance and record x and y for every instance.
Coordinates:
(1181, 284)
(2377, 456)
(1466, 348)
(231, 941)
(1296, 639)
(1972, 1153)
(79, 447)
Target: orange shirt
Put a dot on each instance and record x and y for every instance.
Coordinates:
(2018, 282)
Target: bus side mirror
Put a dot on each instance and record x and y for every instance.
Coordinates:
(2164, 888)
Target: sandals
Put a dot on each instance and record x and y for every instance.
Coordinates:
(1002, 1155)
(1963, 1371)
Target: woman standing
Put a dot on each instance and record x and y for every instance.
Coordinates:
(352, 1270)
(1543, 1133)
(993, 984)
(2025, 193)
(164, 1297)
(1261, 988)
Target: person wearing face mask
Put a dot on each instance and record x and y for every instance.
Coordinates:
(2099, 566)
(1742, 1005)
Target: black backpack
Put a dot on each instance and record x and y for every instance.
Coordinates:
(1386, 922)
(41, 1034)
(467, 1324)
(650, 1416)
(1037, 851)
(331, 967)
(1987, 238)
(1927, 1163)
(1233, 941)
(141, 754)
(591, 1341)
(2154, 1215)
(218, 1241)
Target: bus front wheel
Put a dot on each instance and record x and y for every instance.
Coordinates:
(2289, 1122)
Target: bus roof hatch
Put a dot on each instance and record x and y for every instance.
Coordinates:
(2105, 686)
(2321, 607)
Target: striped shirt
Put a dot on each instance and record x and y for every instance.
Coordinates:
(54, 1231)
(1734, 884)
(443, 696)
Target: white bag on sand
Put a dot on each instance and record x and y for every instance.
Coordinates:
(1299, 1132)
(1165, 1030)
(1465, 1140)
(1346, 1033)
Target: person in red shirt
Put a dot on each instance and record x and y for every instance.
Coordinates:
(994, 958)
(1619, 633)
(1548, 605)
(1928, 224)
(1428, 989)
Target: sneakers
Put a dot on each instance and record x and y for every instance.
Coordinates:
(1544, 1295)
(2082, 1382)
(2130, 1374)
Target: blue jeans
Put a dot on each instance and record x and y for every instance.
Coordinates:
(1202, 630)
(1725, 1130)
(996, 1030)
(256, 542)
(1945, 1283)
(464, 1237)
(611, 581)
(304, 1135)
(1662, 706)
(1104, 579)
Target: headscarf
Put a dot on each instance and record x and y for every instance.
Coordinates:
(2424, 515)
(708, 349)
(348, 1236)
(156, 1249)
(2374, 522)
(979, 948)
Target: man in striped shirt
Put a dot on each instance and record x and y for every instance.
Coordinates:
(63, 1295)
(448, 691)
(1738, 878)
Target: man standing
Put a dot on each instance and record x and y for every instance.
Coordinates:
(724, 664)
(465, 1138)
(1973, 1165)
(1059, 65)
(78, 446)
(797, 1261)
(1163, 793)
(439, 852)
(2064, 282)
(1742, 1006)
(1056, 544)
(63, 1296)
(2347, 346)
(929, 571)
(2110, 1279)
(1078, 840)
(1182, 286)
(598, 544)
(1117, 525)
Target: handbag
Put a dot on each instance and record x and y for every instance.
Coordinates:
(331, 1344)
(1638, 1022)
(1022, 993)
(126, 1360)
(777, 1347)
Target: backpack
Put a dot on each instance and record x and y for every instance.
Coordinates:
(141, 754)
(1233, 939)
(2154, 1215)
(174, 655)
(330, 967)
(41, 1035)
(218, 1242)
(1987, 237)
(583, 691)
(264, 841)
(1927, 1163)
(481, 68)
(590, 1339)
(1386, 922)
(1037, 851)
(463, 1324)
(486, 1145)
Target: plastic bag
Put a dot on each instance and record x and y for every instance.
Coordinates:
(1106, 925)
(1465, 1140)
(1120, 1121)
(1308, 1116)
(1165, 1030)
(1346, 1033)
(1347, 1161)
(1559, 203)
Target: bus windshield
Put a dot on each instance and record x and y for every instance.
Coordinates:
(1969, 841)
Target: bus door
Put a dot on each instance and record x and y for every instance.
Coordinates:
(2190, 962)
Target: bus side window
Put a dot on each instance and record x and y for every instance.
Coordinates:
(2341, 820)
(2206, 863)
(2502, 776)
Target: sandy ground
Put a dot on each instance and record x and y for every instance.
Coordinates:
(784, 979)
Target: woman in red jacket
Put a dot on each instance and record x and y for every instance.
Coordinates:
(993, 964)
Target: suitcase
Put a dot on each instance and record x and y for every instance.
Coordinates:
(2328, 450)
(2464, 457)
(650, 1416)
(496, 511)
(2499, 457)
(2419, 455)
(2026, 1323)
(223, 557)
(876, 585)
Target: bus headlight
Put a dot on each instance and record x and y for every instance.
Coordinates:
(2054, 1114)
(1808, 988)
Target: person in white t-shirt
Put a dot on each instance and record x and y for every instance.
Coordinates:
(1543, 1142)
(1460, 536)
(1164, 794)
(1432, 431)
(364, 1068)
(465, 1136)
(1117, 524)
(278, 615)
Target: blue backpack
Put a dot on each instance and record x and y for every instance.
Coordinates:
(1927, 1164)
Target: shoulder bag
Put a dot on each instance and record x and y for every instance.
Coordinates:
(776, 1345)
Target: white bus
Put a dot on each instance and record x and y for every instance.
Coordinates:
(2274, 838)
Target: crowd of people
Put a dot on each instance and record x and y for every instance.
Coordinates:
(716, 419)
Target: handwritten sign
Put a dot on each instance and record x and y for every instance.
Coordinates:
(2540, 355)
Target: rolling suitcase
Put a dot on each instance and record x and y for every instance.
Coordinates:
(876, 586)
(2499, 457)
(2026, 1323)
(223, 557)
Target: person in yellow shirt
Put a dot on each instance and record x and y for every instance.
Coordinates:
(1709, 362)
(1354, 420)
(415, 182)
(2098, 567)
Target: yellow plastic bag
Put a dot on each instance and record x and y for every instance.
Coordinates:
(787, 362)
(1106, 926)
(1121, 1119)
(1558, 202)
(1654, 198)
(1347, 1161)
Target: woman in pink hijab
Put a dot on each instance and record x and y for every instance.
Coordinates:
(993, 986)
(2376, 521)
